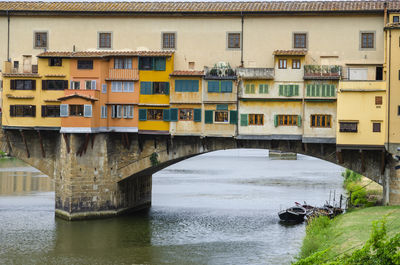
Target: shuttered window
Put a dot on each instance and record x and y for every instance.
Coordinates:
(288, 90)
(185, 114)
(243, 119)
(320, 90)
(321, 121)
(22, 111)
(128, 111)
(220, 86)
(287, 120)
(250, 89)
(142, 114)
(186, 85)
(256, 119)
(149, 88)
(85, 64)
(54, 84)
(64, 110)
(104, 88)
(208, 116)
(103, 114)
(50, 111)
(197, 115)
(87, 112)
(263, 88)
(233, 117)
(152, 63)
(23, 84)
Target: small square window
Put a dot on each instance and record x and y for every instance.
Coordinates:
(395, 19)
(300, 40)
(367, 40)
(376, 127)
(233, 40)
(282, 64)
(85, 64)
(40, 40)
(168, 40)
(16, 64)
(104, 40)
(378, 100)
(296, 64)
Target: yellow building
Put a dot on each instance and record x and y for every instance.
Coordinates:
(186, 98)
(361, 111)
(154, 113)
(30, 100)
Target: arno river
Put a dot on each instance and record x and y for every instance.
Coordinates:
(218, 208)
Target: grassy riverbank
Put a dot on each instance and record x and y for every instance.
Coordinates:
(348, 232)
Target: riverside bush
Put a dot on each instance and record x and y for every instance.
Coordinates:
(317, 232)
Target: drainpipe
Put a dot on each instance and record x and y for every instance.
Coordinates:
(241, 42)
(389, 69)
(8, 37)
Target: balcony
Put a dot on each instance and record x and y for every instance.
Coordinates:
(255, 73)
(123, 75)
(322, 72)
(220, 71)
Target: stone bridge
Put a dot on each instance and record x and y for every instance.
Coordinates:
(107, 174)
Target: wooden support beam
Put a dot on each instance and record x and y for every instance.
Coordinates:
(306, 148)
(8, 142)
(41, 144)
(123, 140)
(66, 139)
(140, 143)
(128, 142)
(362, 156)
(92, 137)
(322, 150)
(87, 138)
(155, 142)
(26, 145)
(167, 144)
(383, 162)
(339, 157)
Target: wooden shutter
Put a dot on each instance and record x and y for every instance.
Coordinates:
(65, 84)
(208, 116)
(247, 90)
(173, 114)
(167, 88)
(12, 110)
(43, 111)
(280, 90)
(104, 88)
(276, 117)
(179, 84)
(308, 90)
(333, 90)
(44, 84)
(243, 120)
(195, 85)
(64, 110)
(34, 84)
(118, 110)
(197, 115)
(296, 90)
(299, 120)
(213, 86)
(142, 114)
(159, 64)
(318, 90)
(93, 85)
(252, 89)
(87, 111)
(233, 117)
(166, 115)
(145, 88)
(13, 84)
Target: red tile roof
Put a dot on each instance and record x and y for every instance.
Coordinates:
(290, 52)
(101, 54)
(201, 7)
(187, 73)
(25, 75)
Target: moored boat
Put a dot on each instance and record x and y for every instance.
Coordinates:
(293, 214)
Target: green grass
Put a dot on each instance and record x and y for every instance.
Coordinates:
(347, 232)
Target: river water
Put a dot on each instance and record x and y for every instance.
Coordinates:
(217, 208)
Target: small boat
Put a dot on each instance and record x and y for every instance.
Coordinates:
(293, 214)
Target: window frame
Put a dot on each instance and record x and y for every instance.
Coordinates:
(282, 63)
(149, 114)
(99, 46)
(318, 122)
(53, 60)
(45, 109)
(397, 18)
(287, 119)
(81, 63)
(47, 39)
(168, 47)
(73, 85)
(361, 47)
(295, 42)
(230, 34)
(222, 122)
(343, 130)
(297, 63)
(252, 119)
(31, 107)
(377, 129)
(189, 110)
(126, 63)
(76, 108)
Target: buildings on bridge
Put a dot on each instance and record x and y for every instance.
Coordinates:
(328, 75)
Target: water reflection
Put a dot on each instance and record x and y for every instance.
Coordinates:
(219, 208)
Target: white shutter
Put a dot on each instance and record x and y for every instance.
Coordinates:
(87, 111)
(72, 85)
(104, 88)
(113, 112)
(130, 113)
(93, 85)
(103, 112)
(64, 110)
(125, 111)
(119, 111)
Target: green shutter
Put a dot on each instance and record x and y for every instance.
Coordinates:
(299, 120)
(213, 86)
(252, 89)
(142, 114)
(173, 114)
(324, 93)
(261, 89)
(296, 90)
(291, 89)
(222, 106)
(167, 88)
(197, 115)
(247, 91)
(179, 85)
(159, 63)
(145, 88)
(333, 90)
(308, 90)
(266, 87)
(280, 90)
(195, 85)
(276, 120)
(313, 90)
(166, 115)
(233, 117)
(208, 116)
(243, 119)
(317, 90)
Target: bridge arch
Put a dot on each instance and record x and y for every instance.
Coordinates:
(109, 173)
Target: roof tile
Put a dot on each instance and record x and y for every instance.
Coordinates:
(85, 54)
(187, 73)
(290, 52)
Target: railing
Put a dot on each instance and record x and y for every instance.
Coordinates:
(322, 71)
(255, 73)
(123, 74)
(219, 71)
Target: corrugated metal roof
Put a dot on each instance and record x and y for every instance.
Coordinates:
(211, 7)
(290, 52)
(85, 54)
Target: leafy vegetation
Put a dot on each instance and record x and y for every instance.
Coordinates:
(359, 195)
(154, 159)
